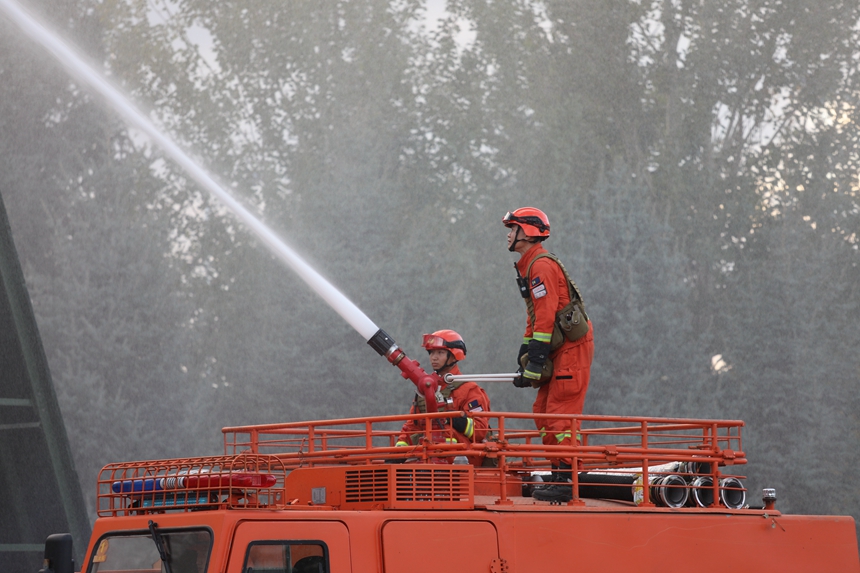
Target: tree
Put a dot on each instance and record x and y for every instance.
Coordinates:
(697, 161)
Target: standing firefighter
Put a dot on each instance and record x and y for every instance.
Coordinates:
(558, 346)
(446, 348)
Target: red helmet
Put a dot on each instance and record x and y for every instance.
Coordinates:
(446, 340)
(533, 222)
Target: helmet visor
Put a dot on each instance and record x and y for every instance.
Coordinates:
(432, 341)
(511, 219)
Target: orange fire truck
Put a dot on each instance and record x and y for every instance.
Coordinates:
(650, 494)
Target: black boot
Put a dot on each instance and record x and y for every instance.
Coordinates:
(537, 482)
(559, 492)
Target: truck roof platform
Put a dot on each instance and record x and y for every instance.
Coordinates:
(354, 464)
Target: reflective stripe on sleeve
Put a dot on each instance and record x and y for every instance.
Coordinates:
(543, 336)
(470, 428)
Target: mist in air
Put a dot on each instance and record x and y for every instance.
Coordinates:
(698, 165)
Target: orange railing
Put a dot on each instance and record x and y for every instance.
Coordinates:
(620, 447)
(605, 441)
(680, 460)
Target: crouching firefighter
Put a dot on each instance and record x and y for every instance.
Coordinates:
(558, 345)
(446, 348)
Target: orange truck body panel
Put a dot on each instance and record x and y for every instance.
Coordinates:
(340, 490)
(525, 541)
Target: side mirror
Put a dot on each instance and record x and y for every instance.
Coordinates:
(58, 554)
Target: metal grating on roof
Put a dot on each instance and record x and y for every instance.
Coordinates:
(434, 484)
(367, 485)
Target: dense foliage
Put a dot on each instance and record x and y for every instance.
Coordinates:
(698, 161)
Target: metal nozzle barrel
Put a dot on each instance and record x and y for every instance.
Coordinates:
(425, 383)
(382, 343)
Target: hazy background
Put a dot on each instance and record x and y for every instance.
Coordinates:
(698, 161)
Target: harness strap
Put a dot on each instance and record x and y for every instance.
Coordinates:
(421, 404)
(572, 290)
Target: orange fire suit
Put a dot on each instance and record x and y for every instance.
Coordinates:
(467, 397)
(565, 392)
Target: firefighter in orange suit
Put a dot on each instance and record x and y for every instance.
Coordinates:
(446, 348)
(548, 292)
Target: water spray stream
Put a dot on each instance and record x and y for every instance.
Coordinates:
(85, 73)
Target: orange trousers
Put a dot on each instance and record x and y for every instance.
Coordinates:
(565, 391)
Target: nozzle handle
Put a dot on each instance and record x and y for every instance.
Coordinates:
(505, 377)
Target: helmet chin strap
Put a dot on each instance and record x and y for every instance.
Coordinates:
(517, 239)
(447, 366)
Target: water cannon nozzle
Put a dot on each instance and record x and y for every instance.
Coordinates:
(382, 343)
(425, 383)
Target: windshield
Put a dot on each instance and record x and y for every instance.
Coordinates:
(187, 551)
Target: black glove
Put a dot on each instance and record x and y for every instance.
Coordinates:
(524, 349)
(521, 382)
(538, 354)
(538, 351)
(459, 424)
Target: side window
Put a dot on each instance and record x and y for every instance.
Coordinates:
(187, 551)
(287, 557)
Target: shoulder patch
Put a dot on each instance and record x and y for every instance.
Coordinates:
(539, 291)
(474, 406)
(536, 281)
